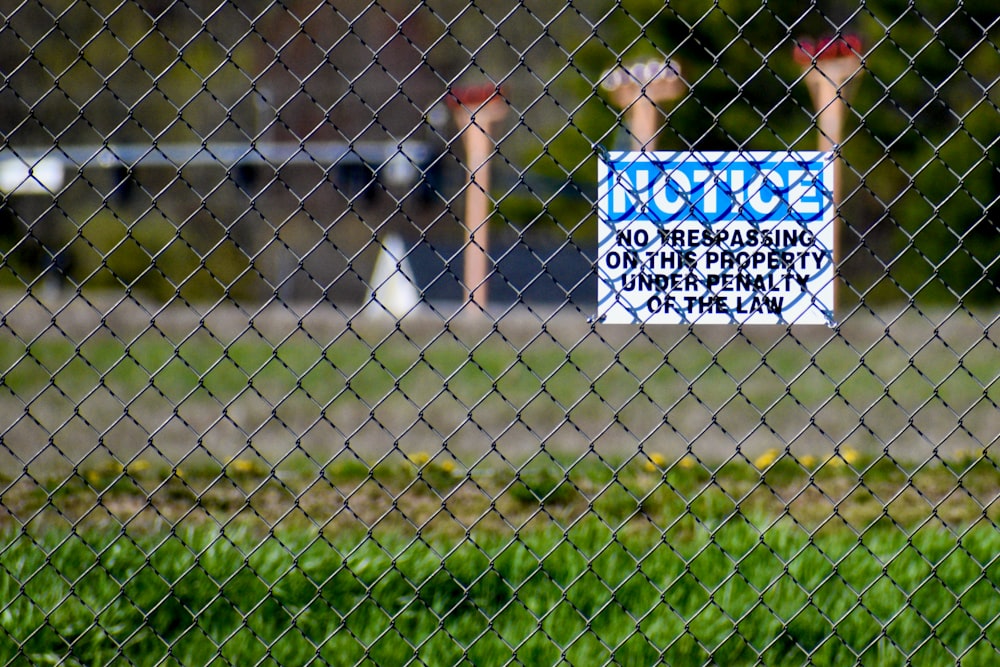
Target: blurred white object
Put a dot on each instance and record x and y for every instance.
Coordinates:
(23, 177)
(391, 287)
(641, 74)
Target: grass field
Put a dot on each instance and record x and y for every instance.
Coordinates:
(729, 594)
(234, 488)
(168, 384)
(587, 562)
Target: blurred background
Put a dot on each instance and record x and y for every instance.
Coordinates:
(218, 150)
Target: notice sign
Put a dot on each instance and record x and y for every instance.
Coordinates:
(715, 238)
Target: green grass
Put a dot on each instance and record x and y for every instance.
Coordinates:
(587, 562)
(435, 557)
(468, 388)
(371, 365)
(590, 594)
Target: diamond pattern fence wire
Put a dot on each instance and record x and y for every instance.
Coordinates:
(302, 363)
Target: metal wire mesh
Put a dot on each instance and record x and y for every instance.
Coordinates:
(301, 361)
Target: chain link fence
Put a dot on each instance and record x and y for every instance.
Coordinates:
(303, 363)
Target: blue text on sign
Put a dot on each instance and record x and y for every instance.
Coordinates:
(715, 187)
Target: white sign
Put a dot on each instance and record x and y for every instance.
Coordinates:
(715, 238)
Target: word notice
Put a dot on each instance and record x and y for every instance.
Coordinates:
(715, 238)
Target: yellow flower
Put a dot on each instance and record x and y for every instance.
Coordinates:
(970, 455)
(243, 466)
(419, 458)
(111, 468)
(656, 462)
(849, 455)
(448, 467)
(766, 459)
(808, 461)
(687, 462)
(137, 467)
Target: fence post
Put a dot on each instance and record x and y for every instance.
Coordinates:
(638, 89)
(831, 64)
(476, 110)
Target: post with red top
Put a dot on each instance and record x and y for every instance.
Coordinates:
(637, 89)
(476, 110)
(831, 63)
